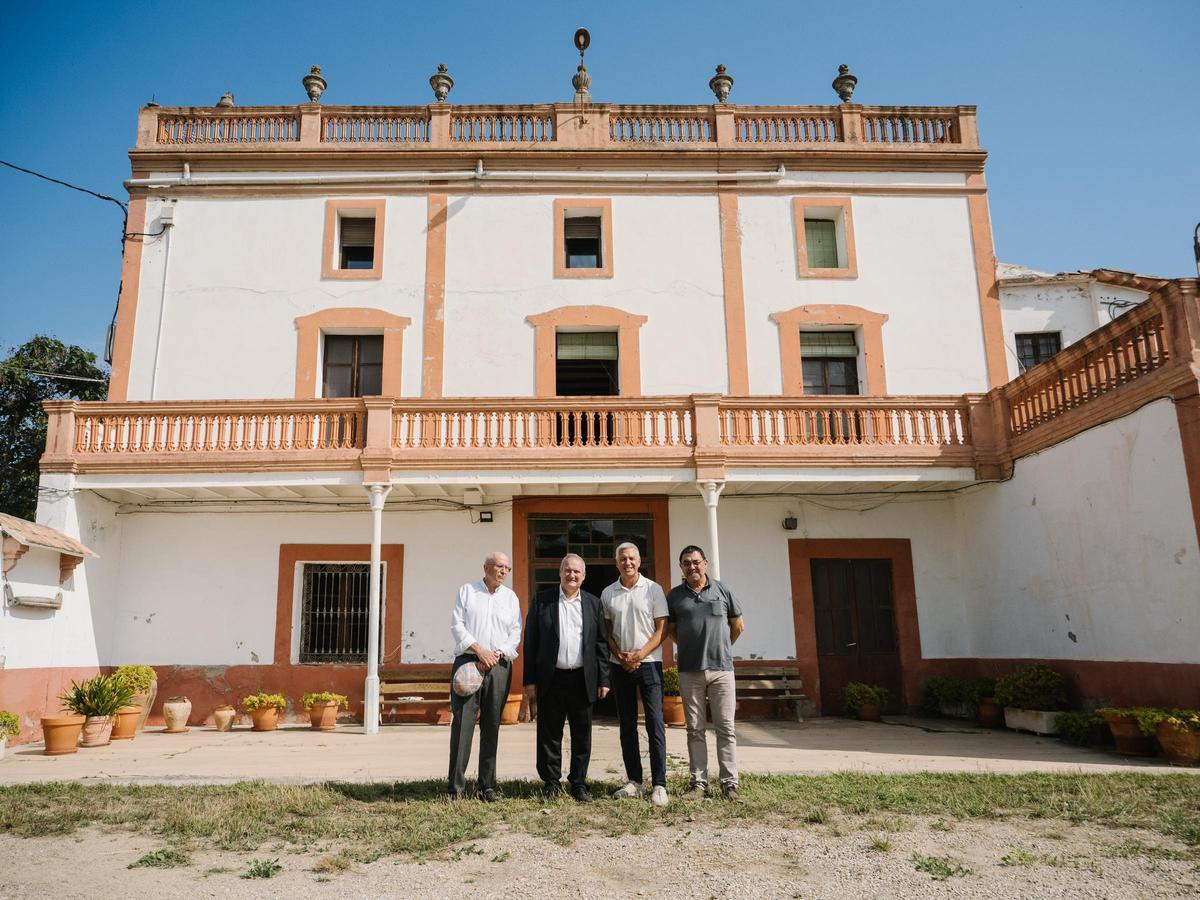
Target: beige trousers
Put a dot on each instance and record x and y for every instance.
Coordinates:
(717, 688)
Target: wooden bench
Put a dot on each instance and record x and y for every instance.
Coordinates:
(769, 692)
(415, 695)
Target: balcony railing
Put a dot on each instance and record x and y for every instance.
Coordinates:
(701, 431)
(560, 126)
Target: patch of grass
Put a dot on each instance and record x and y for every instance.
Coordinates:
(332, 862)
(501, 857)
(939, 868)
(166, 858)
(263, 868)
(369, 821)
(879, 844)
(1133, 848)
(217, 870)
(940, 825)
(1019, 857)
(322, 879)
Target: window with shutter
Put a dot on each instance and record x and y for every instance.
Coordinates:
(829, 360)
(581, 241)
(824, 231)
(820, 236)
(356, 242)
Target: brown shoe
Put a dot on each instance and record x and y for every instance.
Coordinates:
(697, 791)
(731, 793)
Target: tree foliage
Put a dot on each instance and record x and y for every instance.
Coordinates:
(22, 419)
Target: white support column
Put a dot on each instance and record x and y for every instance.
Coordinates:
(379, 494)
(711, 491)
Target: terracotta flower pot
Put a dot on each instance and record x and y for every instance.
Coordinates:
(990, 713)
(265, 719)
(61, 734)
(1181, 747)
(869, 712)
(126, 721)
(673, 711)
(97, 731)
(146, 702)
(322, 716)
(512, 710)
(1128, 736)
(175, 713)
(223, 717)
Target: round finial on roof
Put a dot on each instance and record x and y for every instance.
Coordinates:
(441, 82)
(844, 83)
(720, 84)
(226, 100)
(314, 84)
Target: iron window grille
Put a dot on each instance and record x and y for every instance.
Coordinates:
(334, 612)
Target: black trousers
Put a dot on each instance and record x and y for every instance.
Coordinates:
(565, 701)
(648, 681)
(488, 701)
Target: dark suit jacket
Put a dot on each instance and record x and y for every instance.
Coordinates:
(541, 642)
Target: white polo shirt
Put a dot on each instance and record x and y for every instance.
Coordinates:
(632, 612)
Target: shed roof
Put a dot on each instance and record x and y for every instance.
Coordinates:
(29, 534)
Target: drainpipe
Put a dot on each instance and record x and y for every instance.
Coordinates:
(168, 222)
(379, 494)
(711, 490)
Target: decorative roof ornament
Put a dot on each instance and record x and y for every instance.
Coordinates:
(720, 84)
(441, 82)
(582, 81)
(314, 84)
(226, 100)
(844, 83)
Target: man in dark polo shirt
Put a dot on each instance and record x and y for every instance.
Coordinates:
(705, 619)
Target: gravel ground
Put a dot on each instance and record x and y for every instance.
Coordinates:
(843, 857)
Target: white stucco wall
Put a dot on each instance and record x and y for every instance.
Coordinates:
(916, 265)
(666, 259)
(1090, 551)
(241, 271)
(75, 634)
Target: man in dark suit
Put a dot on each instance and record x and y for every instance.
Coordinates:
(566, 671)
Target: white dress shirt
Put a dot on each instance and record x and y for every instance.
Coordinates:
(492, 620)
(632, 612)
(570, 631)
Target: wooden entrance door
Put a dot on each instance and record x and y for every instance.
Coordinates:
(856, 627)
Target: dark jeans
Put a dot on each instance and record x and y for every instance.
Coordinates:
(647, 680)
(566, 700)
(488, 701)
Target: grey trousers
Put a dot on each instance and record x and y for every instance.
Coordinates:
(717, 688)
(488, 701)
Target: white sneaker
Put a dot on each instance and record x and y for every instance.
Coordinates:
(658, 796)
(631, 791)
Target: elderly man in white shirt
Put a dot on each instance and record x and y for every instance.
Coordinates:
(486, 627)
(635, 609)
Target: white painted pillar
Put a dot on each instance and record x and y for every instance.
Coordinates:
(379, 494)
(711, 491)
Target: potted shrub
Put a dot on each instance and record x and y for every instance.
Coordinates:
(10, 727)
(322, 709)
(176, 711)
(144, 682)
(125, 723)
(1031, 697)
(511, 714)
(1133, 728)
(865, 700)
(988, 712)
(264, 709)
(223, 717)
(1178, 735)
(672, 702)
(953, 697)
(97, 700)
(1082, 728)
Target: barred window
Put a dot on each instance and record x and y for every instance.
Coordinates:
(334, 612)
(1037, 347)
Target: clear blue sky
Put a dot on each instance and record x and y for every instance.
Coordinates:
(1089, 109)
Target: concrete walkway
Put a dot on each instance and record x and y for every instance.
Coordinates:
(296, 754)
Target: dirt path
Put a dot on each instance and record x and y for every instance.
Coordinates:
(842, 857)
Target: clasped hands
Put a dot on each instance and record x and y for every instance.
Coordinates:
(630, 660)
(486, 659)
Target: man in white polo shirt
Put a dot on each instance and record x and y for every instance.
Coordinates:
(635, 609)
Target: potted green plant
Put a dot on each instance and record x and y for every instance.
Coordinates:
(264, 709)
(865, 700)
(1083, 728)
(1032, 696)
(10, 727)
(672, 702)
(953, 697)
(1179, 736)
(988, 712)
(144, 682)
(322, 709)
(97, 700)
(1133, 728)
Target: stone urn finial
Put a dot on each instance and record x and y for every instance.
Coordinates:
(720, 84)
(844, 83)
(314, 84)
(441, 82)
(226, 100)
(581, 80)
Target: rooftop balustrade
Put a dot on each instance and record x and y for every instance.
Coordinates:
(559, 126)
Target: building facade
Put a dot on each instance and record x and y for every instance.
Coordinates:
(775, 332)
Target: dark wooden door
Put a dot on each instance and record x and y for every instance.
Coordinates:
(856, 627)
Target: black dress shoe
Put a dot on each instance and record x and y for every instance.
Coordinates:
(488, 796)
(581, 794)
(551, 791)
